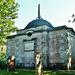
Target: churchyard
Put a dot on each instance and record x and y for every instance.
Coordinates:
(38, 49)
(11, 69)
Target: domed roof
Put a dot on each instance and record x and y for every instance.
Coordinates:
(38, 22)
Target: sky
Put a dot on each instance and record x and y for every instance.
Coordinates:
(57, 12)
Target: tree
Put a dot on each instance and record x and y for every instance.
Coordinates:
(73, 16)
(2, 55)
(8, 12)
(2, 58)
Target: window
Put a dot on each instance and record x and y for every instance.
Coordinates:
(29, 34)
(29, 45)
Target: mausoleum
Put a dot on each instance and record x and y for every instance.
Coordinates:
(57, 45)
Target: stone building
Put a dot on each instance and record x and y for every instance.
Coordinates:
(57, 44)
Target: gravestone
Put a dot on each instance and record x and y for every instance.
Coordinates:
(69, 63)
(39, 69)
(11, 63)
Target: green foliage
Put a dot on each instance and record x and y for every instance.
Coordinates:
(3, 59)
(2, 55)
(3, 65)
(8, 12)
(73, 16)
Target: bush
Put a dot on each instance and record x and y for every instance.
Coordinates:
(3, 65)
(2, 59)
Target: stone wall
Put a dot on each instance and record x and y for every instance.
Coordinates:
(55, 47)
(16, 46)
(44, 27)
(10, 48)
(58, 48)
(71, 48)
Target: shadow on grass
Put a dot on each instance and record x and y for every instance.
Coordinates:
(17, 72)
(59, 72)
(32, 72)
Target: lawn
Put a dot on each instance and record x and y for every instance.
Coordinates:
(17, 72)
(32, 72)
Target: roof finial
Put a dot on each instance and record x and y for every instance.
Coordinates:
(39, 16)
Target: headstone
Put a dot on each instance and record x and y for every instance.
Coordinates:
(39, 69)
(69, 63)
(11, 63)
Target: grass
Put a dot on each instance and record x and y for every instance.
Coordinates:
(17, 72)
(32, 72)
(62, 72)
